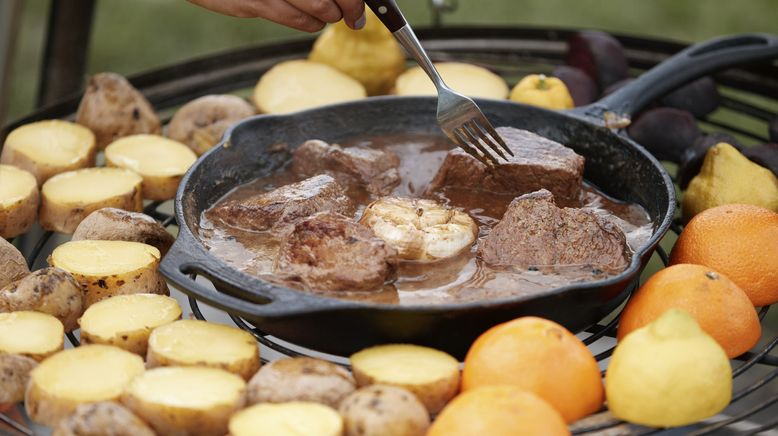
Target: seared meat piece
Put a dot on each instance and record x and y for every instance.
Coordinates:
(329, 252)
(277, 210)
(376, 169)
(538, 163)
(535, 232)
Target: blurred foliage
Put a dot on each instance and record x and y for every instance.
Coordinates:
(132, 36)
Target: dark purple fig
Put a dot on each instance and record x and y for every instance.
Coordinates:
(692, 157)
(581, 87)
(765, 155)
(599, 55)
(774, 130)
(665, 132)
(700, 97)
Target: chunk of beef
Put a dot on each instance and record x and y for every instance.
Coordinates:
(538, 163)
(375, 169)
(329, 252)
(535, 232)
(277, 210)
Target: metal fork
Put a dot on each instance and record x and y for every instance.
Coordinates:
(458, 116)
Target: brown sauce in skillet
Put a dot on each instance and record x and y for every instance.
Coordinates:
(463, 278)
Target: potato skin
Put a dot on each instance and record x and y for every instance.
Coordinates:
(300, 379)
(112, 108)
(382, 410)
(48, 290)
(44, 408)
(13, 267)
(201, 123)
(433, 395)
(179, 421)
(14, 375)
(17, 218)
(104, 418)
(111, 224)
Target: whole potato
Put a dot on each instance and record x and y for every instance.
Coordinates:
(111, 224)
(14, 375)
(382, 410)
(201, 123)
(48, 290)
(12, 264)
(112, 108)
(102, 419)
(300, 379)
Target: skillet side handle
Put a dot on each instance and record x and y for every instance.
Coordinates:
(692, 63)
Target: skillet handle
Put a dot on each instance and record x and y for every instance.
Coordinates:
(247, 296)
(689, 64)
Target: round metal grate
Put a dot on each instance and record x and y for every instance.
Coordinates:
(750, 98)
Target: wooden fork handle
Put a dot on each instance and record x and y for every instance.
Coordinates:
(389, 14)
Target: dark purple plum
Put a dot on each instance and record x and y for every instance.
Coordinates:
(582, 88)
(692, 157)
(599, 55)
(699, 97)
(665, 132)
(618, 85)
(765, 155)
(774, 130)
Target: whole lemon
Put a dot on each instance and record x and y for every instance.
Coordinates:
(668, 373)
(542, 91)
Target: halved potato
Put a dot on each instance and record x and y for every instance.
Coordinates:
(111, 224)
(112, 108)
(69, 197)
(186, 400)
(160, 161)
(199, 343)
(108, 268)
(14, 374)
(32, 334)
(126, 321)
(201, 123)
(432, 375)
(298, 418)
(47, 148)
(18, 201)
(12, 264)
(47, 290)
(75, 376)
(102, 418)
(470, 80)
(296, 85)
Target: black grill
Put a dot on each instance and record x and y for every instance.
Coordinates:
(750, 94)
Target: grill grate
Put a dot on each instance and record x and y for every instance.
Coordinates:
(750, 93)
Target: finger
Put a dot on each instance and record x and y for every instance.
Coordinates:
(353, 12)
(324, 10)
(282, 12)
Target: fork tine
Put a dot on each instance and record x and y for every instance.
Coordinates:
(486, 125)
(480, 133)
(473, 138)
(464, 145)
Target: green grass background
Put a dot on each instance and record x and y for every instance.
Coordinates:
(135, 35)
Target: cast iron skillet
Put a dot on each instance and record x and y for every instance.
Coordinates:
(614, 163)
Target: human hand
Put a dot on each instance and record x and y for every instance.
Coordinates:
(305, 15)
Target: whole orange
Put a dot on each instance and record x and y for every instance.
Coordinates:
(718, 305)
(498, 411)
(739, 241)
(540, 356)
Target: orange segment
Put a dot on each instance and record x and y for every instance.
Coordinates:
(718, 305)
(539, 356)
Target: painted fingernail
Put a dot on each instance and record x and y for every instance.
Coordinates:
(360, 23)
